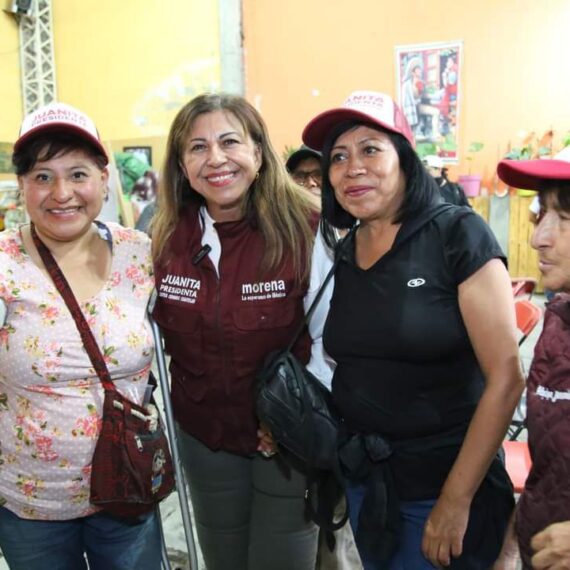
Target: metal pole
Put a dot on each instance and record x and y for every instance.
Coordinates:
(171, 430)
(163, 551)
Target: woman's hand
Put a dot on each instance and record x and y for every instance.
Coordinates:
(444, 531)
(552, 547)
(267, 446)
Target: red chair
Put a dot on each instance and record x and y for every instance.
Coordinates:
(528, 316)
(523, 286)
(517, 456)
(518, 462)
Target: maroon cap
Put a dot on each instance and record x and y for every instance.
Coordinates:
(367, 106)
(528, 174)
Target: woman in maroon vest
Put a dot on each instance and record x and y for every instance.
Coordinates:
(232, 238)
(542, 519)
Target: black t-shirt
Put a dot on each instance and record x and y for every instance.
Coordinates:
(405, 366)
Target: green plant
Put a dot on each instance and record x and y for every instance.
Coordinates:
(533, 147)
(288, 151)
(520, 153)
(473, 148)
(426, 148)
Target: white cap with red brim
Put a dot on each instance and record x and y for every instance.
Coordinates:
(59, 117)
(366, 106)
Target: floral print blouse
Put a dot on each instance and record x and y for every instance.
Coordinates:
(50, 397)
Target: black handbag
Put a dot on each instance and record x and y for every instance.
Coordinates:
(298, 410)
(303, 419)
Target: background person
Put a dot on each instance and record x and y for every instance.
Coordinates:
(232, 239)
(143, 194)
(427, 373)
(304, 165)
(51, 398)
(345, 555)
(145, 190)
(542, 521)
(451, 192)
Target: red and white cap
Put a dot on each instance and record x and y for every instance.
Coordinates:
(367, 106)
(529, 174)
(59, 117)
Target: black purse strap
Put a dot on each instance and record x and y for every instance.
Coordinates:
(61, 284)
(320, 292)
(325, 521)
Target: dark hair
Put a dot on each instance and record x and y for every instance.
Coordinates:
(421, 189)
(46, 146)
(560, 189)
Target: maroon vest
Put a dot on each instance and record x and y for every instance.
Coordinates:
(546, 498)
(218, 331)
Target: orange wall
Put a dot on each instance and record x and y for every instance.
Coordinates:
(303, 57)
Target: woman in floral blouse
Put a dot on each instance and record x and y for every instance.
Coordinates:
(50, 396)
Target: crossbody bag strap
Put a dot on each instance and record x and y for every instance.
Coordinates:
(81, 323)
(320, 292)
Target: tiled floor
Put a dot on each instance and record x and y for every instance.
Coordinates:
(170, 509)
(174, 535)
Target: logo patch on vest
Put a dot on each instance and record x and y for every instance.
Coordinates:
(179, 288)
(263, 290)
(552, 395)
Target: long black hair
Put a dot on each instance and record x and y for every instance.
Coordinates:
(421, 190)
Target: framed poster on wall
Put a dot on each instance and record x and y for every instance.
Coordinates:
(428, 77)
(143, 153)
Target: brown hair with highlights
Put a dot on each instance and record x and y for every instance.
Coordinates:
(274, 203)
